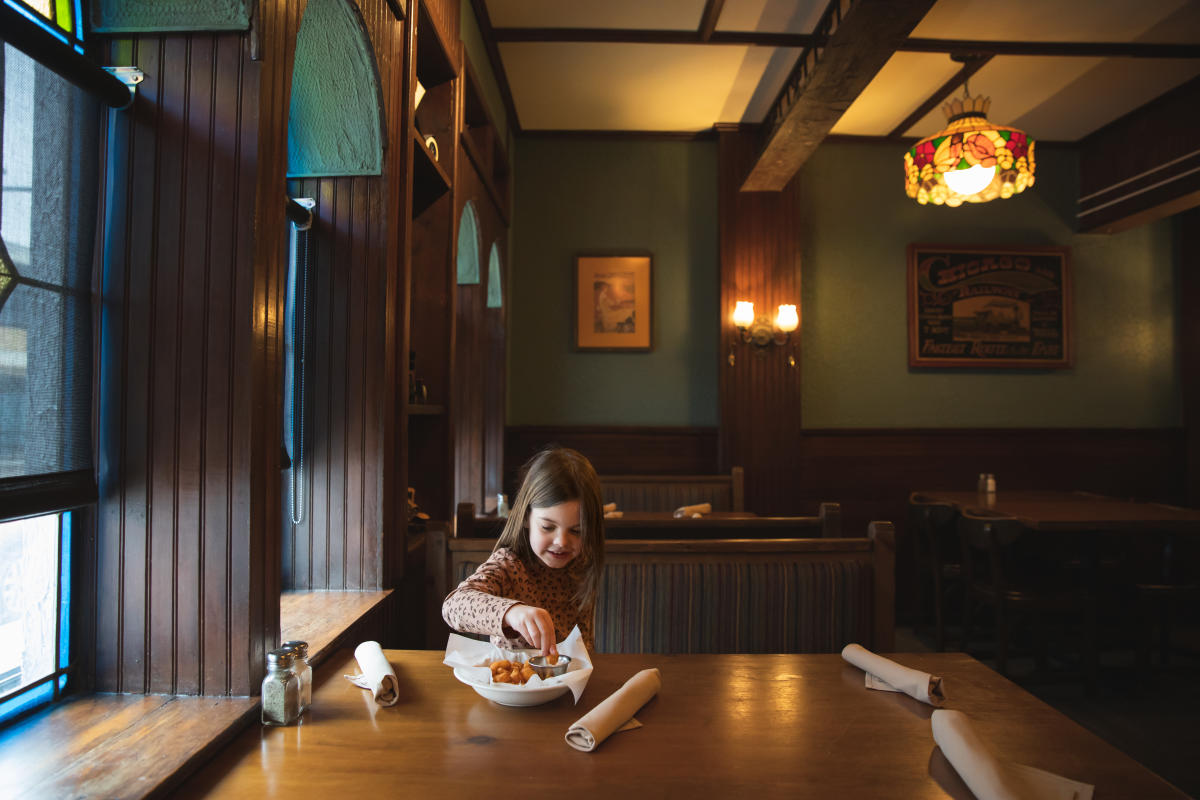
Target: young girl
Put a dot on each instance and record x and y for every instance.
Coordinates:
(542, 578)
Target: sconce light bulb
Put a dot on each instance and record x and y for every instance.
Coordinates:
(743, 315)
(787, 320)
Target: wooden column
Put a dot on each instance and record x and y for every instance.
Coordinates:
(760, 392)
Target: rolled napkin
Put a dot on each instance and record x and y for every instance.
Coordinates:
(892, 677)
(610, 507)
(613, 514)
(989, 778)
(376, 674)
(693, 511)
(615, 712)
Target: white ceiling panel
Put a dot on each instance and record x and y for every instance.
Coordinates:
(640, 14)
(574, 86)
(896, 91)
(771, 16)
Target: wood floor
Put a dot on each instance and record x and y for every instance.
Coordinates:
(1152, 717)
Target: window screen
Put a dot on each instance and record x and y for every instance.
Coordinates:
(47, 218)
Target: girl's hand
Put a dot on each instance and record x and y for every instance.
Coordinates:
(534, 625)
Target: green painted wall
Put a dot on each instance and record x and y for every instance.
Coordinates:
(472, 41)
(854, 318)
(578, 195)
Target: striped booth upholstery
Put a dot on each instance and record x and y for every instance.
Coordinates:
(731, 595)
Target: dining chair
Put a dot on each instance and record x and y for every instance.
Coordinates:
(938, 559)
(1022, 587)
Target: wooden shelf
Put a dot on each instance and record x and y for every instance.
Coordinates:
(489, 183)
(430, 181)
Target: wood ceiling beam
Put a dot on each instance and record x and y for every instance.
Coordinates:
(489, 41)
(826, 81)
(972, 66)
(708, 20)
(802, 40)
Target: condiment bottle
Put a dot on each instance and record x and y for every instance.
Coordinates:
(501, 505)
(302, 670)
(280, 690)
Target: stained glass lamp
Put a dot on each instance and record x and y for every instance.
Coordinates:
(970, 160)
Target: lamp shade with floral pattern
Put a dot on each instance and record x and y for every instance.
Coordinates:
(971, 160)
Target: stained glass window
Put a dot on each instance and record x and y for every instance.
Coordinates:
(468, 245)
(495, 291)
(61, 18)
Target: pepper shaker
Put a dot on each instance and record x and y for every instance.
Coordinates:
(280, 690)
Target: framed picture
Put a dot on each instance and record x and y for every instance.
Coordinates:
(994, 307)
(613, 303)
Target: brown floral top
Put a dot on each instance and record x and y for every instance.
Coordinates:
(480, 602)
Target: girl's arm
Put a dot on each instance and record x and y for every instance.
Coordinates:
(480, 602)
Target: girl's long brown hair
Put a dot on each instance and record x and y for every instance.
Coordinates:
(553, 476)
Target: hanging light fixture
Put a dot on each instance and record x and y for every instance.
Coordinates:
(970, 160)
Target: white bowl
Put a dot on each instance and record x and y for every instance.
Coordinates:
(518, 696)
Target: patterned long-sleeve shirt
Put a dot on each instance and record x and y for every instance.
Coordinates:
(480, 602)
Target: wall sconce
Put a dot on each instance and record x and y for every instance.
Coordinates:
(761, 333)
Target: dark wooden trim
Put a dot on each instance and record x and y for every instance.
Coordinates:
(617, 135)
(1187, 271)
(632, 36)
(1080, 49)
(33, 495)
(972, 66)
(709, 19)
(484, 21)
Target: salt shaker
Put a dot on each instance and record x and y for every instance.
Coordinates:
(501, 506)
(302, 671)
(280, 690)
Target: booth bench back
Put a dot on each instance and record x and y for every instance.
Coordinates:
(669, 492)
(725, 595)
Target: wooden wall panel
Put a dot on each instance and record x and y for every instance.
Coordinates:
(1187, 254)
(760, 262)
(495, 355)
(179, 569)
(616, 449)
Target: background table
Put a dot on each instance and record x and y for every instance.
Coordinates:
(722, 726)
(1076, 511)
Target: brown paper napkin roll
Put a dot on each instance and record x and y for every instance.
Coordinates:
(617, 709)
(377, 674)
(914, 683)
(610, 507)
(689, 511)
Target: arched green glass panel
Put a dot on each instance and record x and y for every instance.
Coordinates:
(468, 245)
(495, 291)
(335, 122)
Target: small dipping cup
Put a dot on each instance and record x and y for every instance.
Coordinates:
(543, 669)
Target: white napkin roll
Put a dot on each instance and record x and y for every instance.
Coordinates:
(377, 673)
(691, 511)
(914, 683)
(987, 777)
(614, 711)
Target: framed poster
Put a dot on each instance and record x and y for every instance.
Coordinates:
(613, 302)
(993, 307)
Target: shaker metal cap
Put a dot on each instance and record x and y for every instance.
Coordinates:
(281, 657)
(300, 647)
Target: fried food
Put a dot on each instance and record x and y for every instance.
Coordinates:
(552, 659)
(505, 671)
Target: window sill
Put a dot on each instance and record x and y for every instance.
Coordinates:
(133, 745)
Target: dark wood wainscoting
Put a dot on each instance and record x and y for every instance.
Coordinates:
(616, 449)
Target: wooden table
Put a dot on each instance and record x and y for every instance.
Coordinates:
(725, 726)
(1077, 511)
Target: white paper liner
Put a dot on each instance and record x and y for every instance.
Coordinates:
(473, 658)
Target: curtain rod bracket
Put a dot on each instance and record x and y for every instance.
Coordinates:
(299, 211)
(130, 76)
